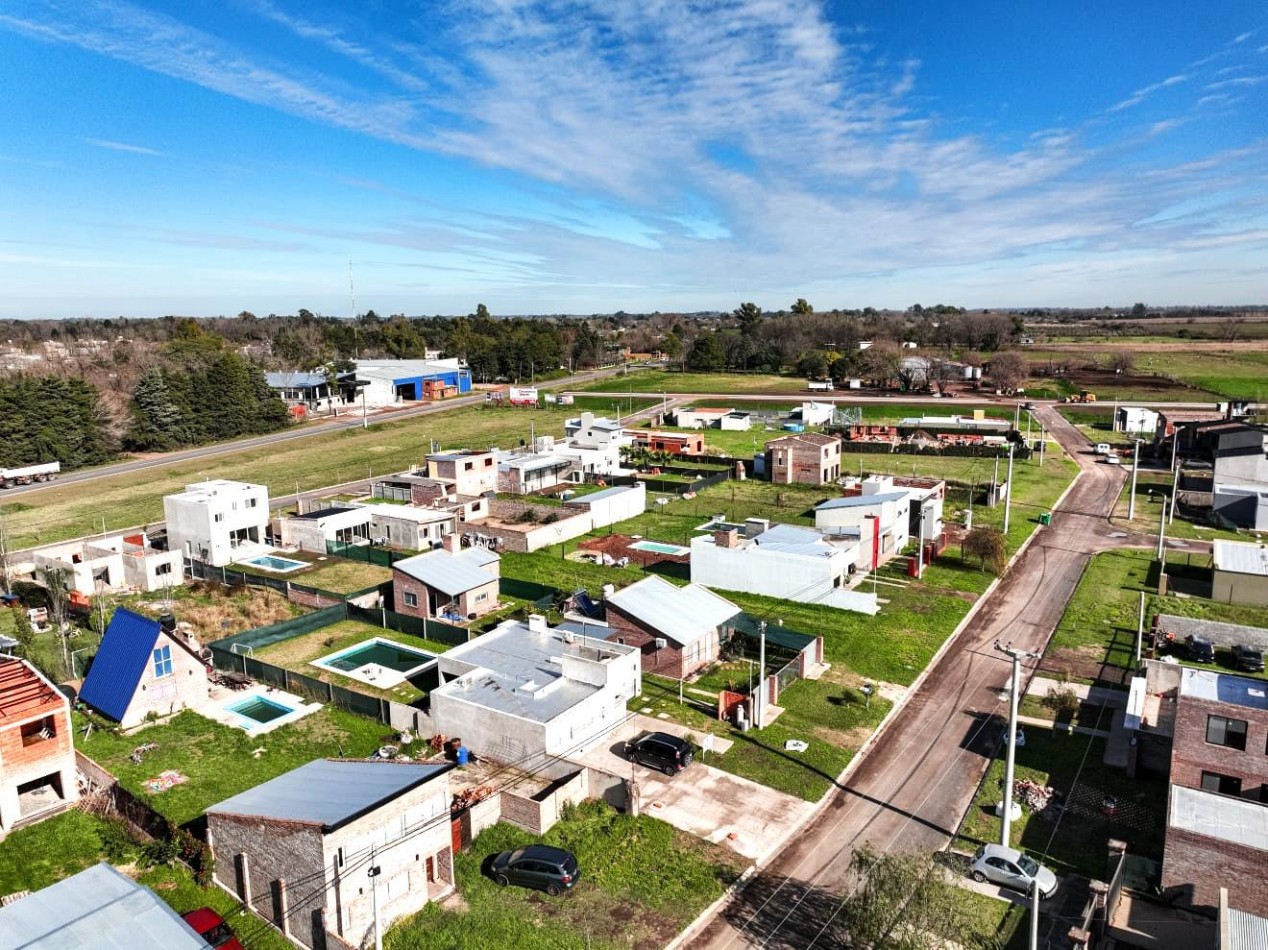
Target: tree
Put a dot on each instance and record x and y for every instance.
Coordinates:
(905, 901)
(941, 374)
(749, 316)
(482, 312)
(1139, 310)
(707, 354)
(812, 365)
(802, 308)
(24, 632)
(1122, 361)
(988, 545)
(1009, 370)
(882, 361)
(57, 581)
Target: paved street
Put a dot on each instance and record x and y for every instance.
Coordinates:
(910, 790)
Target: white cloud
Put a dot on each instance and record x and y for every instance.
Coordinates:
(123, 147)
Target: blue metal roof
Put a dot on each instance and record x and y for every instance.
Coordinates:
(96, 909)
(329, 792)
(120, 661)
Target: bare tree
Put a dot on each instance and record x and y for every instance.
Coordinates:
(882, 361)
(1009, 370)
(1123, 362)
(942, 374)
(57, 581)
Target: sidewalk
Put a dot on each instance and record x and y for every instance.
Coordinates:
(1095, 695)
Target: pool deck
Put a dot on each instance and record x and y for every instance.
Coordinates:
(376, 674)
(222, 698)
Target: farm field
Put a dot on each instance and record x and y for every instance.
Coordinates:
(1161, 371)
(666, 381)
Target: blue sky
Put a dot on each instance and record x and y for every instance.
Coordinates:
(206, 158)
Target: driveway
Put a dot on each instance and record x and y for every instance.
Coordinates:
(749, 818)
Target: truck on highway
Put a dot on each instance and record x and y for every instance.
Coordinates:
(26, 474)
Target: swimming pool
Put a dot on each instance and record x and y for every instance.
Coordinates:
(258, 713)
(656, 547)
(279, 565)
(378, 662)
(259, 709)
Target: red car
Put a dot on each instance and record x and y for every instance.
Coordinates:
(212, 928)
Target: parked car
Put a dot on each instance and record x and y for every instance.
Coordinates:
(1248, 659)
(1112, 459)
(539, 866)
(1199, 649)
(212, 927)
(1013, 869)
(660, 750)
(1028, 406)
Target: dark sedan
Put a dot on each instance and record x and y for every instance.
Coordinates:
(1248, 659)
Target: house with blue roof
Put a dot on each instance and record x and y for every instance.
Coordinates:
(145, 668)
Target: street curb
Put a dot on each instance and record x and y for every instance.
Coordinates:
(706, 916)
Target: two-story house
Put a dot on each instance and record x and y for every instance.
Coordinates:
(37, 755)
(469, 472)
(215, 520)
(806, 458)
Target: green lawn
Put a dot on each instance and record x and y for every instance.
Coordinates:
(221, 761)
(1151, 488)
(178, 889)
(668, 381)
(336, 574)
(68, 510)
(641, 882)
(45, 853)
(1072, 765)
(297, 654)
(1095, 640)
(1205, 368)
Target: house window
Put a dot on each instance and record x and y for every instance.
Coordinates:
(1226, 732)
(39, 731)
(468, 466)
(219, 517)
(480, 598)
(1223, 784)
(411, 600)
(161, 569)
(163, 661)
(251, 502)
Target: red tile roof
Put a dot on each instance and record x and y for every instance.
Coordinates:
(23, 691)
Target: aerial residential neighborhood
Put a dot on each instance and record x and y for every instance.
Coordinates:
(593, 476)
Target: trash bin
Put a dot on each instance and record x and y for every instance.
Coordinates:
(464, 755)
(1045, 518)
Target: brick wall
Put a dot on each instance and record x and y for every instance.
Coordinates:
(305, 599)
(1192, 755)
(667, 661)
(1200, 866)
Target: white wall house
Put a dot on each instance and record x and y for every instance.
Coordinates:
(212, 520)
(815, 413)
(312, 530)
(589, 431)
(612, 504)
(1136, 419)
(525, 691)
(785, 561)
(885, 516)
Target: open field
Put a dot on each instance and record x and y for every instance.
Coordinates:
(298, 653)
(68, 511)
(1178, 371)
(1095, 640)
(668, 381)
(326, 572)
(221, 761)
(641, 882)
(1074, 841)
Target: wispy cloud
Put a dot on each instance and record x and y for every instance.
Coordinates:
(123, 147)
(1239, 81)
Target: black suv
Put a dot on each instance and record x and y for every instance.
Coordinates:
(1199, 649)
(548, 869)
(660, 750)
(1248, 659)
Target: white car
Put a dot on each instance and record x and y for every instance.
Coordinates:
(1013, 869)
(1113, 460)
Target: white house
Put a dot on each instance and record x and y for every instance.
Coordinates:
(883, 516)
(735, 421)
(785, 561)
(525, 691)
(210, 521)
(612, 504)
(313, 530)
(589, 431)
(700, 418)
(1136, 419)
(815, 413)
(111, 564)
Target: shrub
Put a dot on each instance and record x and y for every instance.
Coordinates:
(158, 853)
(1063, 701)
(117, 842)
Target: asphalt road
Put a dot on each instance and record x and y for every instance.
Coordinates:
(350, 421)
(910, 790)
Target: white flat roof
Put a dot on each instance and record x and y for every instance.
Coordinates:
(1240, 557)
(1222, 817)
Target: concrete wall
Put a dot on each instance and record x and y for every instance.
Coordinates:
(530, 537)
(1229, 588)
(404, 532)
(21, 763)
(153, 570)
(472, 474)
(793, 462)
(626, 504)
(192, 527)
(757, 570)
(538, 814)
(1244, 506)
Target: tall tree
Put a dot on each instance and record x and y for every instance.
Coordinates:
(749, 315)
(802, 308)
(707, 354)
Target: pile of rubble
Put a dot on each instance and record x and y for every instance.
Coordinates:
(1032, 795)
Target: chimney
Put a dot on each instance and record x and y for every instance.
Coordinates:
(726, 539)
(537, 624)
(452, 543)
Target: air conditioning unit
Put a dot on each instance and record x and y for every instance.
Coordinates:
(661, 643)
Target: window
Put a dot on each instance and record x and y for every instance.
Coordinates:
(1224, 784)
(39, 731)
(411, 600)
(163, 661)
(1226, 732)
(219, 517)
(480, 598)
(468, 466)
(251, 502)
(161, 569)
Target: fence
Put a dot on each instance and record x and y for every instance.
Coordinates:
(666, 487)
(299, 593)
(365, 553)
(528, 590)
(1020, 453)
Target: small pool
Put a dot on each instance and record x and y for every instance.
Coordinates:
(261, 710)
(279, 565)
(378, 662)
(656, 547)
(719, 525)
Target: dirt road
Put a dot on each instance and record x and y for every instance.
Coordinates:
(910, 790)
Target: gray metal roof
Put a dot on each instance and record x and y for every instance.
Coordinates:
(96, 909)
(519, 670)
(450, 574)
(1246, 931)
(1222, 817)
(295, 380)
(601, 495)
(1240, 557)
(329, 792)
(861, 501)
(1224, 688)
(682, 614)
(791, 539)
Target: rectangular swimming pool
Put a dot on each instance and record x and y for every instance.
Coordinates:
(261, 710)
(657, 547)
(279, 565)
(378, 662)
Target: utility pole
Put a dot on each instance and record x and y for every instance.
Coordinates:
(1175, 487)
(374, 872)
(1034, 914)
(1162, 535)
(365, 424)
(759, 707)
(920, 543)
(1131, 496)
(1008, 498)
(1140, 627)
(1017, 654)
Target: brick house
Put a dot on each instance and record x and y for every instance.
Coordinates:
(675, 443)
(144, 667)
(451, 580)
(1217, 815)
(319, 828)
(677, 629)
(37, 755)
(806, 458)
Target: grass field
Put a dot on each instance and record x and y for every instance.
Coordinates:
(641, 882)
(1072, 765)
(1151, 488)
(221, 761)
(1237, 372)
(335, 574)
(298, 653)
(667, 381)
(120, 501)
